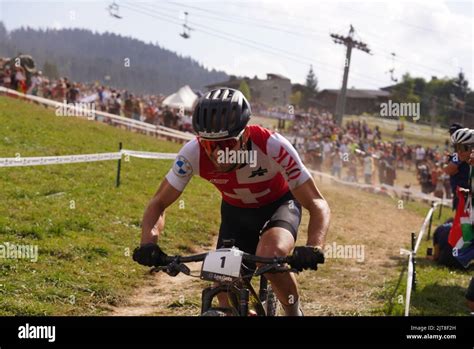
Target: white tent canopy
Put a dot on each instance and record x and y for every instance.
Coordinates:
(183, 98)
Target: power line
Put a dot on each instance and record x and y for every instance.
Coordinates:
(241, 40)
(352, 9)
(244, 41)
(217, 34)
(405, 23)
(310, 30)
(294, 57)
(243, 20)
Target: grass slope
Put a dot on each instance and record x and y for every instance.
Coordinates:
(84, 227)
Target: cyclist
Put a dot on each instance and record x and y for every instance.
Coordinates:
(458, 166)
(261, 200)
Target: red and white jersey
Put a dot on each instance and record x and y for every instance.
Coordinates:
(278, 169)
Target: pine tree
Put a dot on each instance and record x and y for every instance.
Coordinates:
(311, 88)
(311, 81)
(245, 89)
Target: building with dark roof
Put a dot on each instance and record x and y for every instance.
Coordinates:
(275, 90)
(357, 101)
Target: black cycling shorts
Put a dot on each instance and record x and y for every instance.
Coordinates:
(246, 225)
(470, 291)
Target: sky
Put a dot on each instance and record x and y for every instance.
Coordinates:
(248, 38)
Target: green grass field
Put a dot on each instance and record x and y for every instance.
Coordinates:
(439, 291)
(84, 227)
(413, 134)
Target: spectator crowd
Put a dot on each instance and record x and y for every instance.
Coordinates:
(354, 152)
(147, 108)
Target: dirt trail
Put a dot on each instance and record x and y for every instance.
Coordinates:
(165, 295)
(343, 286)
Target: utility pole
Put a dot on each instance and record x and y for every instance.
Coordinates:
(350, 43)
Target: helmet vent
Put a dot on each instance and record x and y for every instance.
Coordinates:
(213, 124)
(224, 124)
(204, 118)
(232, 118)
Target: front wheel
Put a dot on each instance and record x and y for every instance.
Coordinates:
(214, 312)
(271, 304)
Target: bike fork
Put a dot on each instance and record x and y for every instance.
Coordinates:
(263, 289)
(244, 302)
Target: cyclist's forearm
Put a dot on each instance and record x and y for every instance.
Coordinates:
(154, 216)
(319, 216)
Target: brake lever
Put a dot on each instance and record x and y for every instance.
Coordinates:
(174, 268)
(273, 268)
(183, 268)
(157, 269)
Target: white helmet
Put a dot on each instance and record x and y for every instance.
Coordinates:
(463, 136)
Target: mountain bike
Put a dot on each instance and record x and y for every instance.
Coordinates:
(227, 269)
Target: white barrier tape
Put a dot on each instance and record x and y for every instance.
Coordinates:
(400, 192)
(69, 159)
(405, 252)
(152, 130)
(149, 155)
(172, 130)
(160, 130)
(412, 255)
(424, 226)
(409, 284)
(55, 160)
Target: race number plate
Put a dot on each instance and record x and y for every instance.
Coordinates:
(222, 265)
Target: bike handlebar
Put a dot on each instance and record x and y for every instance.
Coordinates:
(245, 256)
(176, 264)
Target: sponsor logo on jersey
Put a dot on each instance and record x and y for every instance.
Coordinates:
(259, 172)
(218, 180)
(288, 163)
(182, 167)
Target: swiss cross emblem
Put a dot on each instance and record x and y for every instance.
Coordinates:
(246, 196)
